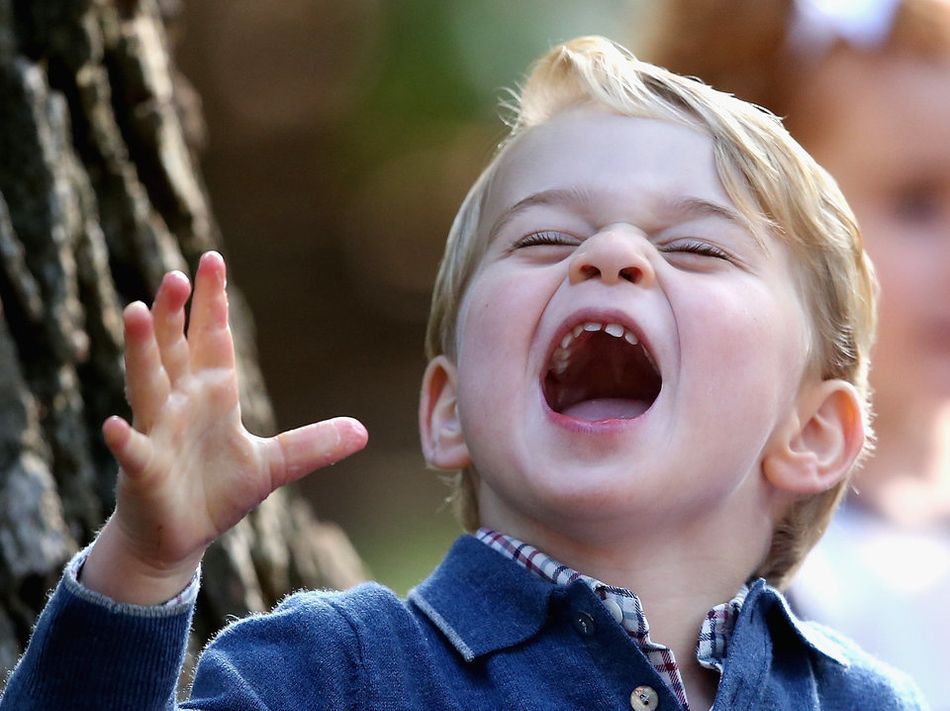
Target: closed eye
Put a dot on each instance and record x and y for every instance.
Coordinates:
(690, 246)
(547, 238)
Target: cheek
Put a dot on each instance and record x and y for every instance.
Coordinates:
(491, 353)
(749, 343)
(740, 324)
(486, 326)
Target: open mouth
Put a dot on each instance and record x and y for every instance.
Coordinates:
(601, 371)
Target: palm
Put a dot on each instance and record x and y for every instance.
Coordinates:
(190, 471)
(205, 472)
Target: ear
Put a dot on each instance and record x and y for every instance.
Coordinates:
(443, 443)
(820, 441)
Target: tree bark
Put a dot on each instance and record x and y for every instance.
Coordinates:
(100, 195)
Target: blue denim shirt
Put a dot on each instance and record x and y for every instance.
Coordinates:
(480, 633)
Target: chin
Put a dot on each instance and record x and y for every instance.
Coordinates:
(601, 494)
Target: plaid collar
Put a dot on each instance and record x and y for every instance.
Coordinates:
(626, 609)
(482, 602)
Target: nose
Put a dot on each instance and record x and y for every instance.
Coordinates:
(614, 254)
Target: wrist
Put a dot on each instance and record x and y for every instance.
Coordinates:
(113, 568)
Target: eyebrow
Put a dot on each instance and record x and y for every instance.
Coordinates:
(690, 207)
(555, 196)
(698, 207)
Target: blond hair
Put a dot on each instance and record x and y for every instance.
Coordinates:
(774, 184)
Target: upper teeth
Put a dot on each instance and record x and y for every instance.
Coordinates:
(562, 355)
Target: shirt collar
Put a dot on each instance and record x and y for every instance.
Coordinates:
(475, 583)
(818, 638)
(624, 605)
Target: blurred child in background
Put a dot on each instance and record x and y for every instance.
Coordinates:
(864, 85)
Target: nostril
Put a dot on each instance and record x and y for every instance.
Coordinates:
(631, 274)
(589, 271)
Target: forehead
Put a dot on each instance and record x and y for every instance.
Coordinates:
(628, 168)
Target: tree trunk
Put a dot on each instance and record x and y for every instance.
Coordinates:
(99, 197)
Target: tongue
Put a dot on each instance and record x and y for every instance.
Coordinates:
(606, 408)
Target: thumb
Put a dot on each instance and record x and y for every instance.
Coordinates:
(296, 453)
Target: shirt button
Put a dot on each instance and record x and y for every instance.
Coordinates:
(644, 698)
(583, 623)
(613, 607)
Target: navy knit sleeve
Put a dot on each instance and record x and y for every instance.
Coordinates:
(302, 655)
(89, 652)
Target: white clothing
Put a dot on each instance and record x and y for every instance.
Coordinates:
(888, 588)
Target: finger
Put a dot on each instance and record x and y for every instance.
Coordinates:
(168, 318)
(209, 338)
(146, 382)
(131, 449)
(298, 452)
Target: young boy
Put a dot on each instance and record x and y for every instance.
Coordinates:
(648, 356)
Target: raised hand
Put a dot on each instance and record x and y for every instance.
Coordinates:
(189, 470)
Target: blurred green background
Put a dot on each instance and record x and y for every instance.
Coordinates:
(341, 137)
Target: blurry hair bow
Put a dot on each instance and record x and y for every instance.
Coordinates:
(816, 25)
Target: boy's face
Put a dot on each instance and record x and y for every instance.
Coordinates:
(626, 345)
